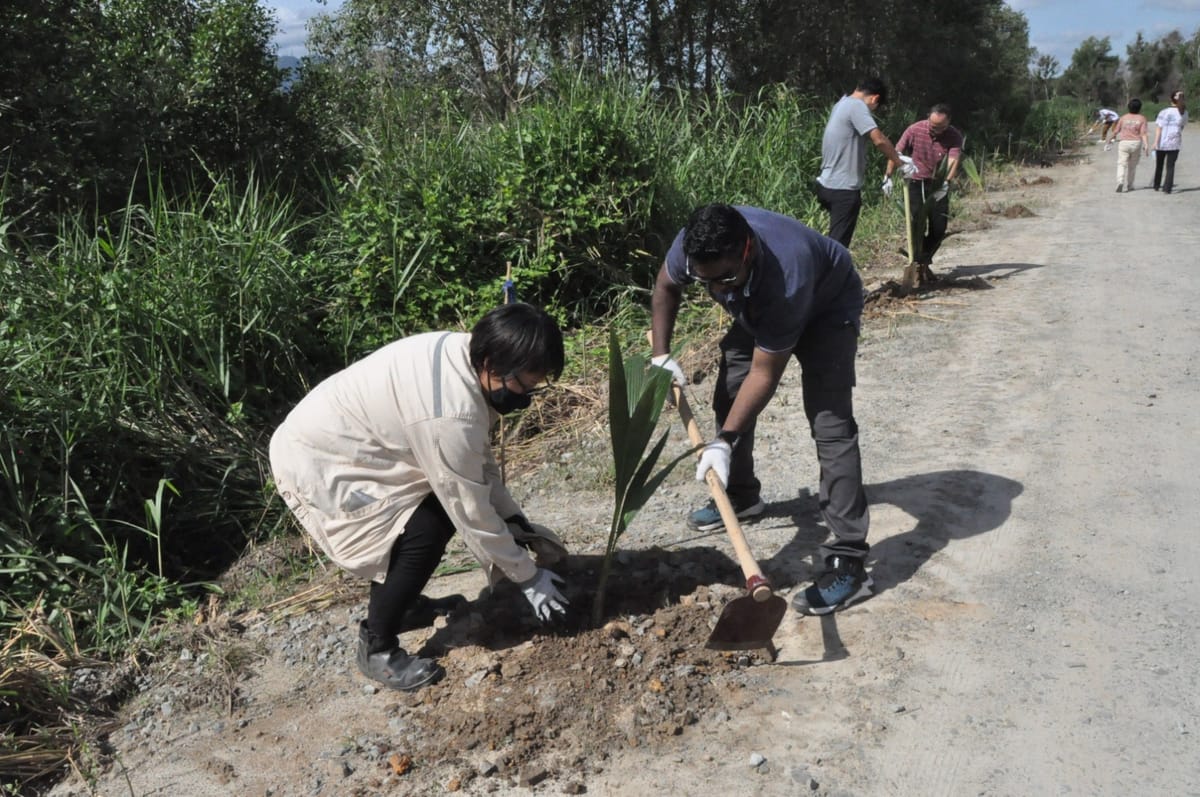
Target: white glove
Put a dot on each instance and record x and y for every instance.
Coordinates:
(665, 361)
(547, 602)
(716, 456)
(886, 188)
(907, 168)
(940, 194)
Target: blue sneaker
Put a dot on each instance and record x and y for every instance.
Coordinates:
(844, 582)
(708, 517)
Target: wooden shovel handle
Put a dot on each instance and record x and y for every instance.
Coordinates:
(756, 583)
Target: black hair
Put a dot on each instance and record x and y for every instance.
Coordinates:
(941, 108)
(518, 337)
(873, 85)
(1135, 105)
(715, 231)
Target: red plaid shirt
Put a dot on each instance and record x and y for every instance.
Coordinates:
(927, 149)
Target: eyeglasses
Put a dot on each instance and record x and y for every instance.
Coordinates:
(528, 391)
(727, 278)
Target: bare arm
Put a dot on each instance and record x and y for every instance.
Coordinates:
(757, 389)
(664, 306)
(884, 145)
(953, 169)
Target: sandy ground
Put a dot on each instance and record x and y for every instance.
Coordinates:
(1031, 458)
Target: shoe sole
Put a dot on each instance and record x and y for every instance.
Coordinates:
(745, 514)
(864, 591)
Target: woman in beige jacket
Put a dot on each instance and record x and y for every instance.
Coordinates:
(383, 461)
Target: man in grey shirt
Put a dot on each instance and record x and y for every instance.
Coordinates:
(844, 156)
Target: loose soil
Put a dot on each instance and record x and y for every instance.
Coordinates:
(1029, 426)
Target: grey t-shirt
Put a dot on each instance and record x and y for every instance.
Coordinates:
(844, 146)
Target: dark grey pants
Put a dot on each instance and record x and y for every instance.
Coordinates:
(928, 232)
(826, 357)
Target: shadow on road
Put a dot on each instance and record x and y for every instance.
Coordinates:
(946, 504)
(993, 271)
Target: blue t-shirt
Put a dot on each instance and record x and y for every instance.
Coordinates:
(799, 279)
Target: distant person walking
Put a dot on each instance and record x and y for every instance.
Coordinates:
(931, 142)
(1132, 141)
(844, 156)
(1168, 138)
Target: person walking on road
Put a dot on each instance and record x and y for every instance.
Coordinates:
(844, 156)
(1168, 138)
(931, 142)
(1132, 141)
(791, 292)
(383, 461)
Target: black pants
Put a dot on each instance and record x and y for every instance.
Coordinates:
(1167, 158)
(929, 220)
(415, 556)
(843, 206)
(826, 357)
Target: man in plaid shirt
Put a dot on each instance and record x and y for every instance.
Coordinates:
(929, 142)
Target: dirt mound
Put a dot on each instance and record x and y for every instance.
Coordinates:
(521, 704)
(530, 705)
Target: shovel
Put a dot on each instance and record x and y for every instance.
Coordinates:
(748, 622)
(909, 280)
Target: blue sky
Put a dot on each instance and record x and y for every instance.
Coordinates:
(1055, 26)
(1058, 26)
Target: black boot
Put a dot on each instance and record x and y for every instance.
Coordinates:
(389, 664)
(425, 610)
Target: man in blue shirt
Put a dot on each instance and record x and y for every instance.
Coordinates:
(791, 292)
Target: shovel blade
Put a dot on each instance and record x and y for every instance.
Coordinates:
(747, 624)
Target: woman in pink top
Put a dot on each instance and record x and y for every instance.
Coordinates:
(1132, 142)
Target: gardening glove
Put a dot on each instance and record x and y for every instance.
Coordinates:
(547, 602)
(667, 362)
(908, 169)
(716, 456)
(940, 194)
(544, 544)
(886, 188)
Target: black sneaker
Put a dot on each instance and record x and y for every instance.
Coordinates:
(393, 667)
(844, 582)
(708, 517)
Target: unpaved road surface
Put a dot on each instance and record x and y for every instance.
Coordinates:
(1032, 458)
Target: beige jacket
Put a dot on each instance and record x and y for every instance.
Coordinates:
(367, 445)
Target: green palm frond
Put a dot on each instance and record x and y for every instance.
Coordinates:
(637, 393)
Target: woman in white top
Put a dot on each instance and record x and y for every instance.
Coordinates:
(1168, 137)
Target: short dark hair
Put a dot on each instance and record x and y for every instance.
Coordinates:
(715, 231)
(873, 85)
(518, 337)
(1135, 105)
(941, 108)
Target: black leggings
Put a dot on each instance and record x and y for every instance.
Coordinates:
(1165, 157)
(415, 556)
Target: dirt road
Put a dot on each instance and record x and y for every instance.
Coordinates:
(1032, 460)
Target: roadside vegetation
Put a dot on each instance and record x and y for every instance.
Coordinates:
(186, 249)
